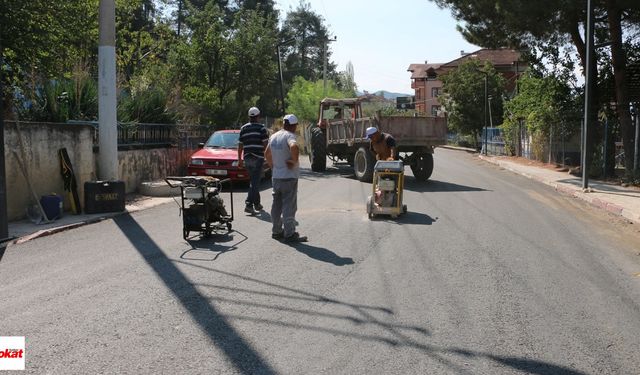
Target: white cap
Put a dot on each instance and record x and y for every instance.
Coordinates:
(371, 131)
(292, 119)
(253, 112)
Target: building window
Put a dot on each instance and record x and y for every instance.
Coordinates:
(434, 110)
(435, 92)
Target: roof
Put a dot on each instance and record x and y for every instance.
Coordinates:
(420, 70)
(498, 57)
(503, 56)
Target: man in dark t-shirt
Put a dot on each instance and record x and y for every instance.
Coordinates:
(383, 145)
(253, 139)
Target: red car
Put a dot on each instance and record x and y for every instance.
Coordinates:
(218, 157)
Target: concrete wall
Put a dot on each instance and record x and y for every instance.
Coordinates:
(39, 155)
(41, 144)
(137, 166)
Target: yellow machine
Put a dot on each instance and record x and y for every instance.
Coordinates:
(388, 185)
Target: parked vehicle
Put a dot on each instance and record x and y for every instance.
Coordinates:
(340, 135)
(218, 157)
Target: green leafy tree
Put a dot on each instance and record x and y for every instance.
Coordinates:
(464, 96)
(304, 98)
(305, 57)
(548, 25)
(542, 103)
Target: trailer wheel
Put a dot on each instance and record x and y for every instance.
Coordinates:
(370, 207)
(422, 167)
(318, 152)
(363, 163)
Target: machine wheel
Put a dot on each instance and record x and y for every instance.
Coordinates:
(422, 167)
(370, 207)
(229, 226)
(318, 154)
(363, 163)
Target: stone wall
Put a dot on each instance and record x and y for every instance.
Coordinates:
(41, 142)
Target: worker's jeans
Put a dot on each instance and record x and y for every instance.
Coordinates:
(285, 205)
(254, 168)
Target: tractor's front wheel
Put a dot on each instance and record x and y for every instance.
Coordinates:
(363, 163)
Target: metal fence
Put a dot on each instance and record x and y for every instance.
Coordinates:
(138, 135)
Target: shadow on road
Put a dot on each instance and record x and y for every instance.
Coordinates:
(220, 332)
(363, 317)
(413, 218)
(216, 244)
(436, 186)
(321, 254)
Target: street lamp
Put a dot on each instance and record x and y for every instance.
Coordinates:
(280, 72)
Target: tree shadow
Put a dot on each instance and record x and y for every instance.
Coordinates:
(215, 244)
(437, 186)
(240, 353)
(321, 254)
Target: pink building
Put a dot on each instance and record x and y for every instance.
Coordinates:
(428, 87)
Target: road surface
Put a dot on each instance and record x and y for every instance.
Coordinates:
(488, 273)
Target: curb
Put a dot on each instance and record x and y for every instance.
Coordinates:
(572, 192)
(130, 208)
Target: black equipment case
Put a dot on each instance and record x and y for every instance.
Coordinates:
(103, 196)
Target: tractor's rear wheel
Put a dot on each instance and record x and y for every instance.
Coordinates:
(318, 154)
(422, 166)
(363, 163)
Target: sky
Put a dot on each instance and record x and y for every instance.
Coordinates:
(382, 37)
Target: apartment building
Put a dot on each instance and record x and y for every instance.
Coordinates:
(428, 87)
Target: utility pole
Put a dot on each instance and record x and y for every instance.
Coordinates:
(280, 73)
(588, 96)
(4, 222)
(107, 100)
(324, 65)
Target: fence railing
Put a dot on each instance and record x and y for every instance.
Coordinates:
(140, 135)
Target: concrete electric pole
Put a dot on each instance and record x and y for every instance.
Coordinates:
(107, 101)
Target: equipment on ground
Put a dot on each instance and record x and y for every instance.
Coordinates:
(340, 135)
(201, 205)
(388, 185)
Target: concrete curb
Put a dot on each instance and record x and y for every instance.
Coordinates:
(130, 208)
(572, 192)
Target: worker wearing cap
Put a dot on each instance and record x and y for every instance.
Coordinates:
(282, 156)
(383, 145)
(251, 144)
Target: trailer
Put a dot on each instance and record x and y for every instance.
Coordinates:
(340, 135)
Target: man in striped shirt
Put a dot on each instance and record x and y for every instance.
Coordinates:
(253, 139)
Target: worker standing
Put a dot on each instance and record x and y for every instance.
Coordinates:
(383, 145)
(282, 155)
(251, 144)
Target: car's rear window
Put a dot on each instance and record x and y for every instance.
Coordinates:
(223, 140)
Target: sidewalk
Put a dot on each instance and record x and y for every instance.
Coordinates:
(25, 230)
(619, 200)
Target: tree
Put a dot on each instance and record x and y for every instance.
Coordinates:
(305, 57)
(304, 98)
(544, 25)
(542, 103)
(41, 38)
(464, 96)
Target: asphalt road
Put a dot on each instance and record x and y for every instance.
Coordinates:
(488, 273)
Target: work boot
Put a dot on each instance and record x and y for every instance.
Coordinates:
(277, 236)
(258, 207)
(295, 237)
(249, 209)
